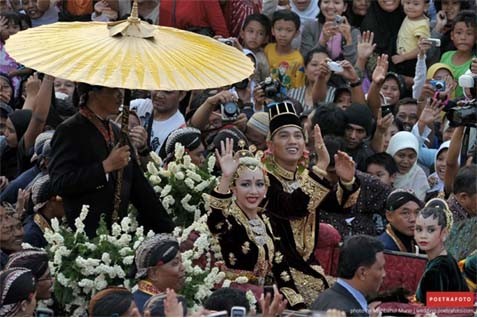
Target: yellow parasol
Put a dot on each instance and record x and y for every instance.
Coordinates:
(129, 54)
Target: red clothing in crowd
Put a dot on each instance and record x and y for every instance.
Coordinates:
(205, 13)
(236, 11)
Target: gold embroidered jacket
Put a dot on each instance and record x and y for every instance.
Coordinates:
(247, 254)
(291, 203)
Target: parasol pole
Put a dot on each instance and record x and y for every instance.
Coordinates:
(123, 138)
(133, 19)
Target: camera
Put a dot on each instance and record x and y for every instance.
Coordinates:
(230, 111)
(436, 42)
(238, 311)
(438, 85)
(227, 41)
(271, 87)
(339, 19)
(464, 114)
(386, 110)
(335, 66)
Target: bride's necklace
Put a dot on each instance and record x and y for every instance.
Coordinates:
(258, 228)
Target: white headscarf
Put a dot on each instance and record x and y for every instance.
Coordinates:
(309, 14)
(402, 140)
(436, 182)
(415, 178)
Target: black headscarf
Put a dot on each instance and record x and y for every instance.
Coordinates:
(400, 81)
(20, 119)
(385, 26)
(353, 19)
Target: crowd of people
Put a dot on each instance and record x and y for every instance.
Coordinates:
(359, 122)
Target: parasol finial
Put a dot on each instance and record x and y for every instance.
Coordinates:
(134, 17)
(133, 26)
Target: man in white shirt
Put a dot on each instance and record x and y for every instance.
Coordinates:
(159, 115)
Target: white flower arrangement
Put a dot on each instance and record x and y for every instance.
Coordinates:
(82, 266)
(156, 158)
(151, 168)
(251, 299)
(241, 280)
(199, 262)
(179, 150)
(181, 185)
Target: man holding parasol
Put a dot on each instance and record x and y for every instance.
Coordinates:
(91, 161)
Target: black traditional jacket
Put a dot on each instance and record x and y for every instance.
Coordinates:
(77, 151)
(292, 202)
(249, 249)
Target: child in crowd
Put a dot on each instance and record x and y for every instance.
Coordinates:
(254, 35)
(393, 89)
(286, 63)
(336, 37)
(436, 71)
(382, 165)
(10, 24)
(436, 179)
(393, 129)
(442, 273)
(414, 27)
(40, 12)
(463, 35)
(447, 11)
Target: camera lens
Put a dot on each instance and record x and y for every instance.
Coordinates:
(270, 91)
(230, 109)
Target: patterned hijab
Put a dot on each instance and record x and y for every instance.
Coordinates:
(34, 259)
(17, 284)
(153, 251)
(189, 137)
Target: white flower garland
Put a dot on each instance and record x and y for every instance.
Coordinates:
(181, 185)
(86, 272)
(88, 259)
